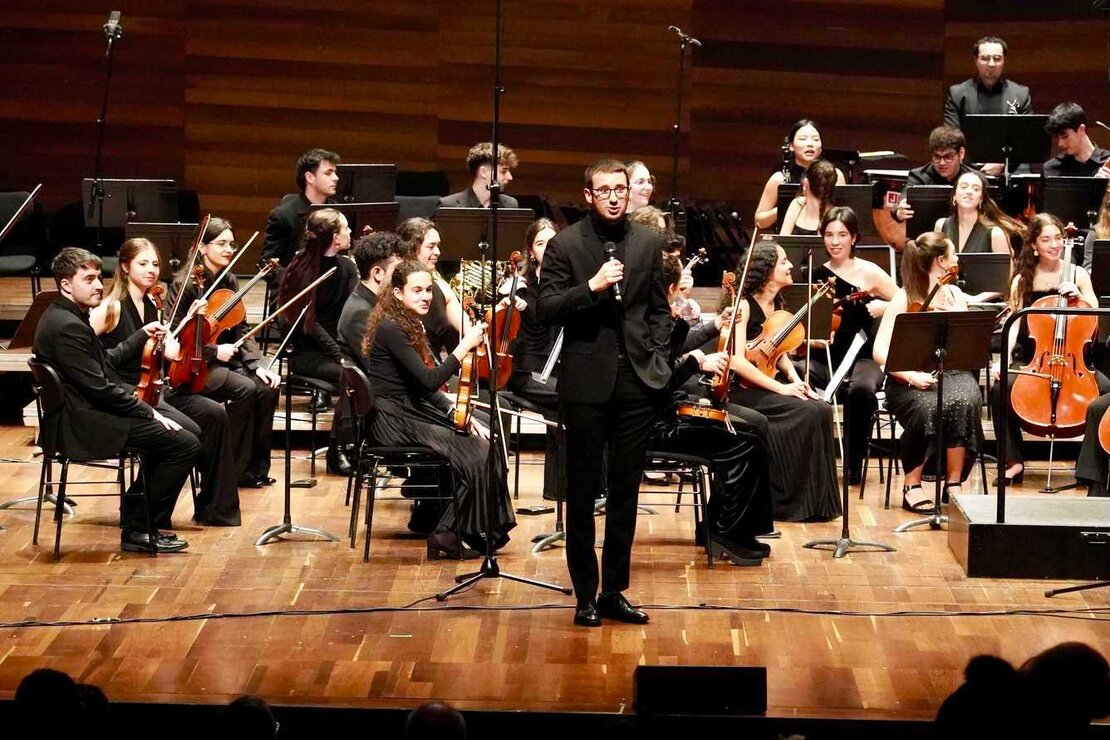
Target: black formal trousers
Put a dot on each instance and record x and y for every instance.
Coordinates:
(250, 405)
(1091, 465)
(622, 423)
(218, 498)
(167, 457)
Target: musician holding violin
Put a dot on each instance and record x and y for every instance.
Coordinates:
(236, 376)
(118, 320)
(862, 290)
(410, 409)
(1044, 275)
(799, 430)
(929, 269)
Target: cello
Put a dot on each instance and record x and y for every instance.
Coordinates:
(1060, 362)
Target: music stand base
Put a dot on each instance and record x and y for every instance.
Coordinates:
(544, 541)
(490, 569)
(1071, 589)
(935, 521)
(1057, 489)
(278, 530)
(50, 498)
(844, 545)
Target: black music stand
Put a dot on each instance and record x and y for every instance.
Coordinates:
(130, 200)
(819, 318)
(862, 199)
(797, 248)
(985, 272)
(938, 341)
(463, 229)
(788, 191)
(845, 160)
(378, 216)
(1006, 138)
(366, 183)
(929, 203)
(172, 240)
(1074, 199)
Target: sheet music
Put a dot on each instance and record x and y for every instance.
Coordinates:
(845, 365)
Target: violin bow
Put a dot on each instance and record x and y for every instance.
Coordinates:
(285, 340)
(194, 250)
(258, 327)
(216, 281)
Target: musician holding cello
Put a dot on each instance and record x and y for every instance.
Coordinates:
(929, 264)
(236, 376)
(1044, 275)
(119, 318)
(410, 409)
(799, 430)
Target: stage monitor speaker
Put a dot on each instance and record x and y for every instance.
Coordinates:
(703, 690)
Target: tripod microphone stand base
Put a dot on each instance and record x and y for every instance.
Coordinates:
(490, 569)
(276, 531)
(935, 521)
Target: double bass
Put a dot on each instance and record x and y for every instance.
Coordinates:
(1051, 394)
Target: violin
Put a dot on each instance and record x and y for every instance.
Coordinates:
(192, 368)
(782, 332)
(699, 256)
(225, 307)
(503, 324)
(702, 411)
(149, 389)
(860, 296)
(1059, 360)
(949, 277)
(726, 342)
(468, 380)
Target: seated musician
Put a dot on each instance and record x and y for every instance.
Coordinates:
(316, 183)
(948, 148)
(1093, 464)
(862, 292)
(1038, 273)
(1078, 155)
(740, 506)
(642, 186)
(375, 257)
(119, 320)
(411, 410)
(445, 320)
(316, 351)
(912, 395)
(977, 224)
(804, 143)
(806, 211)
(237, 376)
(799, 426)
(479, 161)
(101, 416)
(1101, 231)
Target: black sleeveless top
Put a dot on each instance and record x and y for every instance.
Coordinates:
(129, 323)
(802, 231)
(854, 317)
(979, 240)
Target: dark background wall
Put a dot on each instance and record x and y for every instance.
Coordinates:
(222, 95)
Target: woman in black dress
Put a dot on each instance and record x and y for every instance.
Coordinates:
(803, 142)
(800, 433)
(977, 224)
(806, 211)
(317, 352)
(912, 396)
(862, 292)
(740, 505)
(410, 409)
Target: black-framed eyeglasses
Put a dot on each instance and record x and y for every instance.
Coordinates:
(621, 191)
(224, 244)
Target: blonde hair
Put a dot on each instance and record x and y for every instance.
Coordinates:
(128, 251)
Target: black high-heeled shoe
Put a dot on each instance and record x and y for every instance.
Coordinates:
(923, 506)
(445, 546)
(1010, 480)
(944, 493)
(734, 553)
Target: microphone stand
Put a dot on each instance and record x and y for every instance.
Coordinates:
(495, 466)
(96, 196)
(673, 204)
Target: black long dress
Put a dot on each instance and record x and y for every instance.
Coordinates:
(800, 435)
(1091, 465)
(410, 410)
(740, 504)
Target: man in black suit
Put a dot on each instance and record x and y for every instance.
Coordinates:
(375, 256)
(316, 181)
(613, 368)
(101, 417)
(987, 92)
(948, 148)
(479, 160)
(1078, 156)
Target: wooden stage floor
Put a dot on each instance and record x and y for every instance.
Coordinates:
(502, 645)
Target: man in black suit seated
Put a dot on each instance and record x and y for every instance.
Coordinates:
(316, 181)
(613, 369)
(987, 92)
(1078, 156)
(479, 160)
(101, 417)
(948, 148)
(375, 255)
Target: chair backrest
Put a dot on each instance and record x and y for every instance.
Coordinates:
(48, 386)
(354, 384)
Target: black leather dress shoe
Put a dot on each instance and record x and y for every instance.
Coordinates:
(586, 615)
(136, 541)
(321, 402)
(338, 464)
(613, 605)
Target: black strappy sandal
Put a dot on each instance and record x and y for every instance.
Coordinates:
(923, 505)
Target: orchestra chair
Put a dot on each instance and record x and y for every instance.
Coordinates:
(314, 388)
(683, 465)
(50, 397)
(370, 458)
(523, 407)
(881, 419)
(20, 250)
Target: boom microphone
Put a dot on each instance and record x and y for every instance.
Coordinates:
(684, 36)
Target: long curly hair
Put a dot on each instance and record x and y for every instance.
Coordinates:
(390, 307)
(319, 229)
(917, 261)
(128, 251)
(1025, 267)
(764, 259)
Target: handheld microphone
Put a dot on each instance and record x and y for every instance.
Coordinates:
(611, 253)
(113, 31)
(684, 36)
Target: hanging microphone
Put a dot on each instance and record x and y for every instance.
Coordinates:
(113, 31)
(684, 36)
(611, 253)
